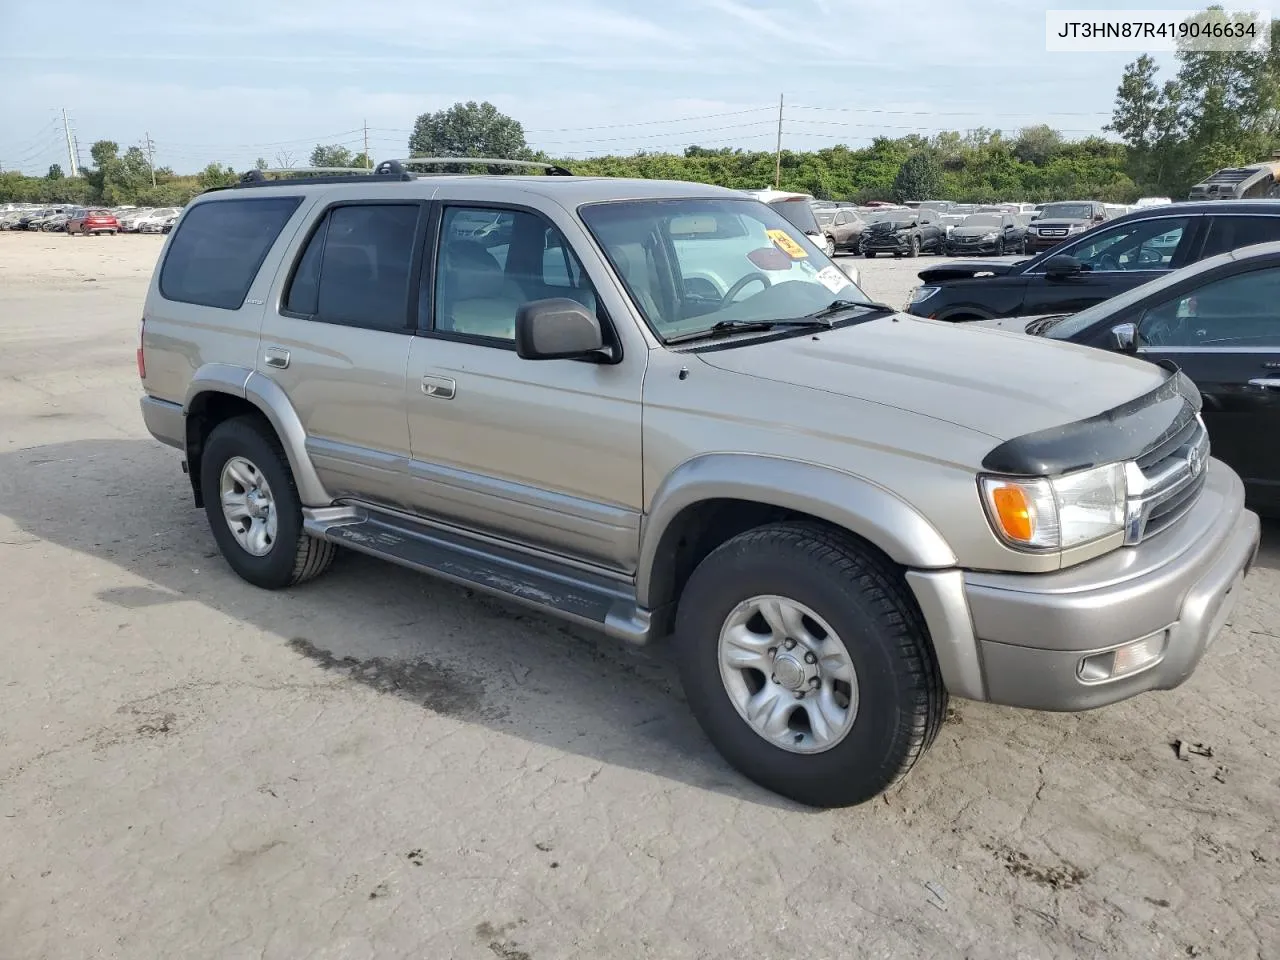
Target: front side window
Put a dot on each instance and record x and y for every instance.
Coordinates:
(355, 268)
(1238, 311)
(485, 273)
(690, 264)
(1137, 245)
(216, 253)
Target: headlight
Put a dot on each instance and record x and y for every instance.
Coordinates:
(921, 294)
(988, 236)
(1056, 513)
(1076, 228)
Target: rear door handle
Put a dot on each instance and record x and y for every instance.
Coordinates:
(277, 357)
(439, 388)
(1272, 383)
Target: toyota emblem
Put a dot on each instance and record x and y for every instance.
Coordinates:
(1195, 462)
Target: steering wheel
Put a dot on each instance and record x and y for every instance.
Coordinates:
(742, 284)
(1109, 261)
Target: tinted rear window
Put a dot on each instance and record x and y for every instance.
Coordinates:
(217, 250)
(798, 213)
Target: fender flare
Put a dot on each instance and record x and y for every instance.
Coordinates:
(271, 400)
(849, 501)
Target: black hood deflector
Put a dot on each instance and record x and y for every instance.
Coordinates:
(1122, 433)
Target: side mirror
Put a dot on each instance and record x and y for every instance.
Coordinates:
(558, 329)
(1062, 265)
(1124, 337)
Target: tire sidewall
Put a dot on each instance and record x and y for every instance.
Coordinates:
(869, 747)
(243, 438)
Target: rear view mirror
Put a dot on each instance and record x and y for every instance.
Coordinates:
(558, 329)
(1124, 337)
(1062, 265)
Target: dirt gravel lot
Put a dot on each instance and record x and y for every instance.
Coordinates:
(378, 765)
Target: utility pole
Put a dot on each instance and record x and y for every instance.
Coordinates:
(777, 157)
(368, 163)
(149, 146)
(71, 153)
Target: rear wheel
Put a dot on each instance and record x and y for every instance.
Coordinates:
(807, 664)
(253, 507)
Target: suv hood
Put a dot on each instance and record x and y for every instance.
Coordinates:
(1002, 384)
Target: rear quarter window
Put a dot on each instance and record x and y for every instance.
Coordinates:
(219, 247)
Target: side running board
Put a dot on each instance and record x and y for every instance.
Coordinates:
(593, 599)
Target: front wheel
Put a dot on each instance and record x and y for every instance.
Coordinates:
(253, 507)
(999, 248)
(914, 250)
(807, 664)
(831, 247)
(869, 254)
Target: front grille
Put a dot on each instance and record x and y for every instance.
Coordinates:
(1053, 233)
(1165, 482)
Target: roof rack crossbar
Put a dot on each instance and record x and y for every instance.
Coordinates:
(554, 170)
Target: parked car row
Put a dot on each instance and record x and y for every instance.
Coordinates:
(89, 220)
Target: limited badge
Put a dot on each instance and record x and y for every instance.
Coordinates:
(782, 240)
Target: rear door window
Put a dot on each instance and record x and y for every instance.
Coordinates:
(216, 253)
(356, 266)
(1231, 233)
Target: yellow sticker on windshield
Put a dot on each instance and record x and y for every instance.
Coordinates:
(788, 246)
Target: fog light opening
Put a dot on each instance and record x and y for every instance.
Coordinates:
(1123, 661)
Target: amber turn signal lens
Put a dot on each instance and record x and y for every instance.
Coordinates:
(1014, 511)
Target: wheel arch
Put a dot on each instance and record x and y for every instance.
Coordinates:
(220, 391)
(711, 498)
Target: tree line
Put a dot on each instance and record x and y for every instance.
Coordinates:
(1219, 109)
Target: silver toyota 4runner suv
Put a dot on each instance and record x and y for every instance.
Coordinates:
(658, 408)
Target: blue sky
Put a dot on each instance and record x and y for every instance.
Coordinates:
(238, 79)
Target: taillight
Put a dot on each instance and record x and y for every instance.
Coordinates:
(142, 358)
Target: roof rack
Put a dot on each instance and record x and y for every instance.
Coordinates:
(553, 170)
(311, 175)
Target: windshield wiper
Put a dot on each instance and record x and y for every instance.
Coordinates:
(819, 318)
(840, 306)
(726, 327)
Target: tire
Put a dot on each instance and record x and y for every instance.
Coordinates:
(862, 598)
(292, 556)
(914, 250)
(831, 247)
(999, 248)
(869, 254)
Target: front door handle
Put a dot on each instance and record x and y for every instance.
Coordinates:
(1272, 383)
(277, 357)
(439, 388)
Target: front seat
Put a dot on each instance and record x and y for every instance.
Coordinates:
(475, 296)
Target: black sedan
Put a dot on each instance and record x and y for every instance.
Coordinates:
(991, 233)
(1117, 256)
(1219, 321)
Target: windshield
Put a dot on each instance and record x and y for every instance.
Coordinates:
(690, 264)
(1066, 211)
(1067, 328)
(982, 220)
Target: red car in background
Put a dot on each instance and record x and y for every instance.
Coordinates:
(94, 221)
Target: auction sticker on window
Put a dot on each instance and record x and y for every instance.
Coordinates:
(832, 278)
(788, 246)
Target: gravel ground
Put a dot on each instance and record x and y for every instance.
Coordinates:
(378, 765)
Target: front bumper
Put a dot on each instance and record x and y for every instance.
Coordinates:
(883, 244)
(959, 248)
(1021, 639)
